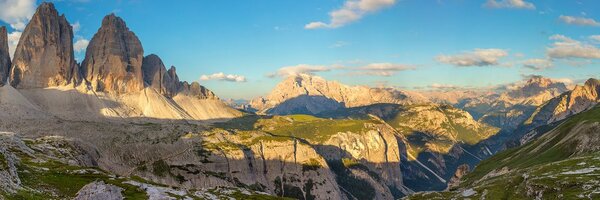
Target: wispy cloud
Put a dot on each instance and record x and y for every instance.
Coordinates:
(299, 69)
(80, 45)
(581, 21)
(223, 77)
(538, 64)
(339, 44)
(380, 69)
(352, 10)
(477, 57)
(516, 4)
(438, 86)
(595, 38)
(76, 26)
(565, 47)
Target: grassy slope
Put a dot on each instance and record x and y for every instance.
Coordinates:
(545, 171)
(523, 157)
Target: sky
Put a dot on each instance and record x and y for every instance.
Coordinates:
(242, 49)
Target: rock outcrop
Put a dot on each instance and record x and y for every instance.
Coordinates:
(4, 56)
(157, 76)
(44, 56)
(167, 82)
(308, 94)
(99, 190)
(113, 60)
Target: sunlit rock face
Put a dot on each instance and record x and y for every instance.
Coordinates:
(44, 55)
(113, 61)
(309, 94)
(4, 56)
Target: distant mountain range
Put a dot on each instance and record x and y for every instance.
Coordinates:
(123, 121)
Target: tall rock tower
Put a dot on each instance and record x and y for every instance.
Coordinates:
(44, 56)
(113, 60)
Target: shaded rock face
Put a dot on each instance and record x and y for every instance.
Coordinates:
(4, 56)
(113, 60)
(196, 90)
(157, 76)
(44, 56)
(167, 82)
(460, 172)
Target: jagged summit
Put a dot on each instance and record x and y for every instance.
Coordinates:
(113, 61)
(4, 56)
(538, 85)
(309, 94)
(44, 56)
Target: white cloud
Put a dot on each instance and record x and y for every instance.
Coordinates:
(16, 12)
(581, 21)
(76, 26)
(80, 45)
(299, 69)
(477, 57)
(352, 10)
(439, 86)
(538, 64)
(565, 47)
(13, 41)
(382, 69)
(339, 44)
(223, 77)
(518, 4)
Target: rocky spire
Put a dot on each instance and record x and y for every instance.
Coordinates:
(113, 60)
(4, 56)
(44, 56)
(157, 76)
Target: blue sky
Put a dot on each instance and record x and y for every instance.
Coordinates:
(410, 44)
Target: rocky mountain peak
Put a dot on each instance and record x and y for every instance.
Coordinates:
(113, 61)
(592, 83)
(44, 56)
(157, 76)
(539, 81)
(4, 56)
(538, 86)
(308, 94)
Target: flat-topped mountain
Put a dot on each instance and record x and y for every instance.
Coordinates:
(44, 56)
(309, 94)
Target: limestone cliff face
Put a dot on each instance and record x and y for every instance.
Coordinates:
(113, 60)
(44, 55)
(4, 56)
(312, 94)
